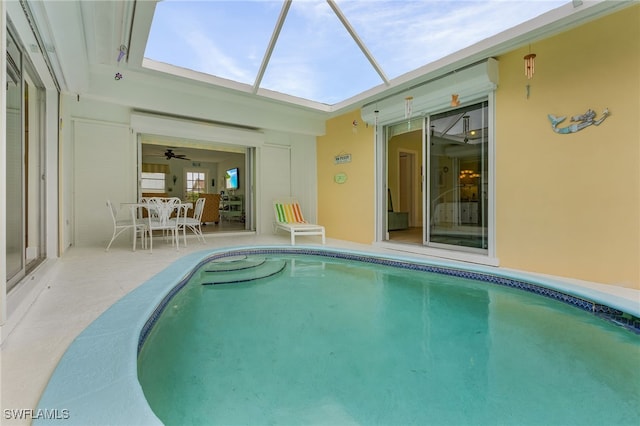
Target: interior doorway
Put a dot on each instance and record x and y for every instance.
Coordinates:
(190, 169)
(404, 181)
(406, 184)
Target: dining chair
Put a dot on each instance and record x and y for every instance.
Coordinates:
(159, 218)
(194, 223)
(121, 225)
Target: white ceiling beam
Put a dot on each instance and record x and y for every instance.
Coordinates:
(358, 41)
(272, 44)
(60, 26)
(141, 21)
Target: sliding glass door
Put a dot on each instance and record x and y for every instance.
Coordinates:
(457, 158)
(25, 217)
(437, 176)
(15, 165)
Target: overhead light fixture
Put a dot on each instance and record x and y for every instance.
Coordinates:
(455, 100)
(468, 174)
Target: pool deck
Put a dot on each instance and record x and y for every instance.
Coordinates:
(86, 282)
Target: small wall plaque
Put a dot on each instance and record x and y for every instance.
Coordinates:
(342, 158)
(340, 178)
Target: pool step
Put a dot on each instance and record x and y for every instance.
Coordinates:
(253, 271)
(234, 264)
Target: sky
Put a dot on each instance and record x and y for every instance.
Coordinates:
(315, 58)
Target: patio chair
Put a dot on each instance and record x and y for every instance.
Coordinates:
(121, 225)
(289, 218)
(160, 211)
(194, 223)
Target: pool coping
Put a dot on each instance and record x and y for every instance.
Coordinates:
(106, 351)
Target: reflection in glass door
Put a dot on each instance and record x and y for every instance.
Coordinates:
(457, 210)
(14, 167)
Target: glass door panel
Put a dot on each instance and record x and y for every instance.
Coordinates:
(14, 167)
(404, 181)
(457, 144)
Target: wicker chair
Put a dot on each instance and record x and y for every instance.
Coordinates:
(211, 211)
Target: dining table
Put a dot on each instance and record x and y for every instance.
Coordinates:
(136, 208)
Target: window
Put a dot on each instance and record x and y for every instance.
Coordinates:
(196, 183)
(152, 182)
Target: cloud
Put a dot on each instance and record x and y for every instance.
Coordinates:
(315, 58)
(404, 35)
(292, 78)
(209, 58)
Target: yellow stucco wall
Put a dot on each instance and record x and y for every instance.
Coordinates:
(569, 205)
(566, 205)
(347, 210)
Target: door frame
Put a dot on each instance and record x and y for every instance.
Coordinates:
(381, 181)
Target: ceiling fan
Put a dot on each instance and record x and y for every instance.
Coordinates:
(169, 154)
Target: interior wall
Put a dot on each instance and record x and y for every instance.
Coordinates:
(412, 142)
(222, 167)
(347, 209)
(568, 204)
(178, 169)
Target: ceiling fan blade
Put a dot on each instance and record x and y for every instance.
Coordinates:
(169, 154)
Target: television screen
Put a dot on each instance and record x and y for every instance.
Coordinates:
(231, 179)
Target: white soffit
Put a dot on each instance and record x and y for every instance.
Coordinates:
(194, 130)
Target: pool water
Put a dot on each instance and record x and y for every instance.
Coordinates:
(297, 340)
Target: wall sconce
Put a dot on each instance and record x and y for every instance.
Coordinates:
(455, 101)
(175, 179)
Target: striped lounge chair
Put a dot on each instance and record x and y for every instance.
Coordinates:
(289, 218)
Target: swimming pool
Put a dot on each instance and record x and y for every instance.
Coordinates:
(112, 365)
